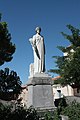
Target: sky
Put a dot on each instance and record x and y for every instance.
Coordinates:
(23, 16)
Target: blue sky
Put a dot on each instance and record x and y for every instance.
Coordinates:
(23, 16)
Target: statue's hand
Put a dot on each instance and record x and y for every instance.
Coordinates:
(31, 41)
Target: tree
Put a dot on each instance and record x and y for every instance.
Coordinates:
(68, 66)
(6, 47)
(9, 83)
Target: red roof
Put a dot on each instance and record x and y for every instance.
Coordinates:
(57, 77)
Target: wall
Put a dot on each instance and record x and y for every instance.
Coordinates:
(60, 91)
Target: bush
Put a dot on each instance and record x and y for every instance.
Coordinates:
(7, 113)
(72, 111)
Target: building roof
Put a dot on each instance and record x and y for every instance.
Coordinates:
(57, 77)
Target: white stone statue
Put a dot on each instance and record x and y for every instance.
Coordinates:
(37, 42)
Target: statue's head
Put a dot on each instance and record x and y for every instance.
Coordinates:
(38, 29)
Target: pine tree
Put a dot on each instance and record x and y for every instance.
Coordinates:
(68, 65)
(6, 47)
(9, 81)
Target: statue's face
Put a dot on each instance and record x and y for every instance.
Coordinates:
(38, 29)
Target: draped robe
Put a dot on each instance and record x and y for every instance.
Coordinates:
(39, 53)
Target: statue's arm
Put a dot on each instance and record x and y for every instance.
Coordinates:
(34, 42)
(35, 47)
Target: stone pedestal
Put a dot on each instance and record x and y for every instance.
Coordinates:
(40, 94)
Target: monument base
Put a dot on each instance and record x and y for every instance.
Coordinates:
(40, 93)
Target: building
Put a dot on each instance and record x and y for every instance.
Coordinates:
(59, 91)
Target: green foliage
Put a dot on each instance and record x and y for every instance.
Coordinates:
(72, 111)
(48, 116)
(6, 47)
(19, 113)
(68, 66)
(32, 114)
(74, 38)
(56, 115)
(6, 113)
(9, 83)
(52, 116)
